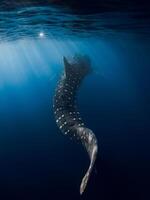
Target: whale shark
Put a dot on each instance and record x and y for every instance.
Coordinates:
(66, 112)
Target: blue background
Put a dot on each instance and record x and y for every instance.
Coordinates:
(37, 161)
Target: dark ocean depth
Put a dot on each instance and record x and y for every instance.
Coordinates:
(37, 162)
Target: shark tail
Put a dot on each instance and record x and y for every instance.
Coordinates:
(91, 146)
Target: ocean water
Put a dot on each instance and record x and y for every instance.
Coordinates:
(37, 161)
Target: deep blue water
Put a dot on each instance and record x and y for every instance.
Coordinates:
(36, 161)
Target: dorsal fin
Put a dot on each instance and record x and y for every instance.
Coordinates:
(67, 66)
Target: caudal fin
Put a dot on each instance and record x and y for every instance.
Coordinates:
(93, 156)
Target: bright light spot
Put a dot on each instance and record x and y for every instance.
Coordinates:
(41, 34)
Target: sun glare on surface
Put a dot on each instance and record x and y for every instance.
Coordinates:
(41, 34)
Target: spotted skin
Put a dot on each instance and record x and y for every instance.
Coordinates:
(66, 112)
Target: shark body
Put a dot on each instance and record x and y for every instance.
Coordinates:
(66, 112)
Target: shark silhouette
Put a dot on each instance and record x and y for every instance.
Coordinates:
(65, 109)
